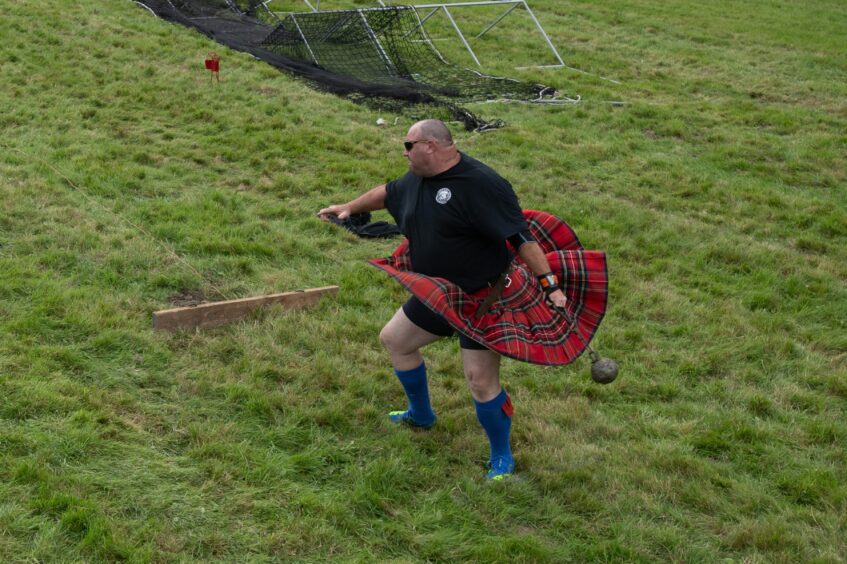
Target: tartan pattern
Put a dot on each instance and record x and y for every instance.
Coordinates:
(521, 325)
(552, 233)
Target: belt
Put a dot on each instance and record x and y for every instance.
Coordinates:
(497, 288)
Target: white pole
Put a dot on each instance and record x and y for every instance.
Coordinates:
(305, 41)
(543, 33)
(495, 22)
(461, 36)
(386, 60)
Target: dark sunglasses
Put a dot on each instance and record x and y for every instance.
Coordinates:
(410, 144)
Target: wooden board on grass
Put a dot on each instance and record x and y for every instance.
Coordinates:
(219, 313)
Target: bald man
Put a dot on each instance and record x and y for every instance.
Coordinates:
(457, 215)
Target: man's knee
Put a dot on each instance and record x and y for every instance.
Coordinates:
(392, 340)
(386, 338)
(481, 379)
(482, 372)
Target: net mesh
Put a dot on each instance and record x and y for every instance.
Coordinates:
(378, 56)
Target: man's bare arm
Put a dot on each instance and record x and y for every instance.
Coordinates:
(372, 200)
(534, 258)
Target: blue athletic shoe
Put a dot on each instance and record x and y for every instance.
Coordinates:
(405, 418)
(501, 468)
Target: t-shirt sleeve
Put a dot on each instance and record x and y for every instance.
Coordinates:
(391, 197)
(500, 215)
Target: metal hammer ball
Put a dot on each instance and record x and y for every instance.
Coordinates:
(604, 370)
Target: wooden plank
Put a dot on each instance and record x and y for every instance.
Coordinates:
(219, 313)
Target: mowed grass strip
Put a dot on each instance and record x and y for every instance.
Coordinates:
(131, 183)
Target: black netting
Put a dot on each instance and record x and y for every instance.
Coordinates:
(379, 56)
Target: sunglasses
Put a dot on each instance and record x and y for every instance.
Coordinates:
(409, 144)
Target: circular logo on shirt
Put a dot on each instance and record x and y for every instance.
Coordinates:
(443, 195)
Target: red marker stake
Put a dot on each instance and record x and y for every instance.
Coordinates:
(213, 64)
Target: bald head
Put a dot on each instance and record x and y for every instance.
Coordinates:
(434, 129)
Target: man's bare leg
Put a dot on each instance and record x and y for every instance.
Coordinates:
(403, 340)
(493, 408)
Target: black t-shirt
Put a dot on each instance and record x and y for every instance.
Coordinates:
(457, 222)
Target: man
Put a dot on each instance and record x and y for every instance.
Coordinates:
(457, 215)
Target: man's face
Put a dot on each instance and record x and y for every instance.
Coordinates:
(419, 152)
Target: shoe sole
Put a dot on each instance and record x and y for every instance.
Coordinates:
(408, 422)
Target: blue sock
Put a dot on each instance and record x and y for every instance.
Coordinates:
(417, 391)
(495, 416)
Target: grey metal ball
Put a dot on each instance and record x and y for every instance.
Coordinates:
(604, 370)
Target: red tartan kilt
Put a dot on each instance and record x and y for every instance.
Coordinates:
(520, 324)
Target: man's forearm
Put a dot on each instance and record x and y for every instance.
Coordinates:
(371, 200)
(537, 262)
(534, 258)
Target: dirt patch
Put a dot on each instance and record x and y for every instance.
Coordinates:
(186, 298)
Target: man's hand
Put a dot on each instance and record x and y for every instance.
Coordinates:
(557, 298)
(341, 211)
(372, 200)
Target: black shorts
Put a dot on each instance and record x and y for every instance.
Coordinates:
(430, 321)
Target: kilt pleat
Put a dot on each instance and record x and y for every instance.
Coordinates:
(521, 325)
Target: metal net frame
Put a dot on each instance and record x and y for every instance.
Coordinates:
(381, 57)
(387, 45)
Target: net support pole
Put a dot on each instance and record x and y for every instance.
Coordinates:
(421, 22)
(305, 41)
(544, 35)
(498, 20)
(429, 15)
(424, 33)
(264, 5)
(514, 4)
(461, 35)
(386, 60)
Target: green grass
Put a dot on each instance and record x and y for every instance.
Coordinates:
(129, 182)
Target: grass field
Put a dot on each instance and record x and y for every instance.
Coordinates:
(129, 183)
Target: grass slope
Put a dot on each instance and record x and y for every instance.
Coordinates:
(129, 183)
